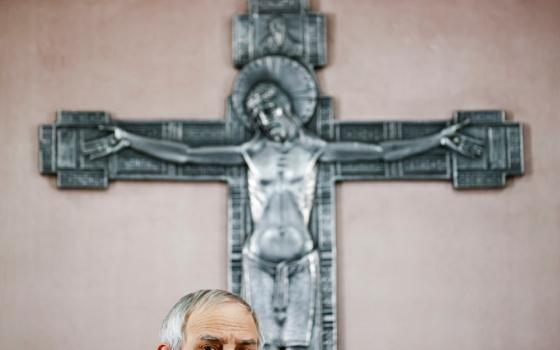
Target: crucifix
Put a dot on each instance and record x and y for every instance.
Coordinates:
(280, 151)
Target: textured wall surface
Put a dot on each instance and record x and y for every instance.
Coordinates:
(420, 266)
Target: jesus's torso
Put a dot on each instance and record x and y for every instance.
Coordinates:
(281, 181)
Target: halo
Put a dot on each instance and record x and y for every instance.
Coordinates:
(290, 75)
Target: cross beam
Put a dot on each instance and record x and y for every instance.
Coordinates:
(61, 154)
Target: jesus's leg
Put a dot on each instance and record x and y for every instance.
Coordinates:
(299, 326)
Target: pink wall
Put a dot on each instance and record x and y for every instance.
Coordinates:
(421, 266)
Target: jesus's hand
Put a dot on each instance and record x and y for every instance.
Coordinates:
(107, 145)
(465, 145)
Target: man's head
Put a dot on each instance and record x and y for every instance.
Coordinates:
(210, 320)
(272, 111)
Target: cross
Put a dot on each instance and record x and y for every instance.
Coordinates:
(281, 42)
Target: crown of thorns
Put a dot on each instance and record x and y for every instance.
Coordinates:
(265, 96)
(259, 98)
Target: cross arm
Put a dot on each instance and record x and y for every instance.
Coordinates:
(165, 150)
(392, 150)
(501, 153)
(62, 153)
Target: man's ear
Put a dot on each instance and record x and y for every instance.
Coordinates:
(163, 346)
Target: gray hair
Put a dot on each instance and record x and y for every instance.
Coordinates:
(174, 324)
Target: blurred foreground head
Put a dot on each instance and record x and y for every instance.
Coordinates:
(210, 320)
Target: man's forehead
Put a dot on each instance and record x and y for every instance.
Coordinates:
(225, 322)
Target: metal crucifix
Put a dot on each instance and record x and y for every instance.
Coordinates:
(280, 151)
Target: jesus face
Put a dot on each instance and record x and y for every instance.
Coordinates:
(275, 124)
(271, 109)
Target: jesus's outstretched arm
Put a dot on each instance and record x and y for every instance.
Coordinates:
(399, 149)
(171, 151)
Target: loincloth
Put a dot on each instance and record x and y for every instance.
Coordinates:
(284, 296)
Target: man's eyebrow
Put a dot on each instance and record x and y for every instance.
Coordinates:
(211, 338)
(247, 342)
